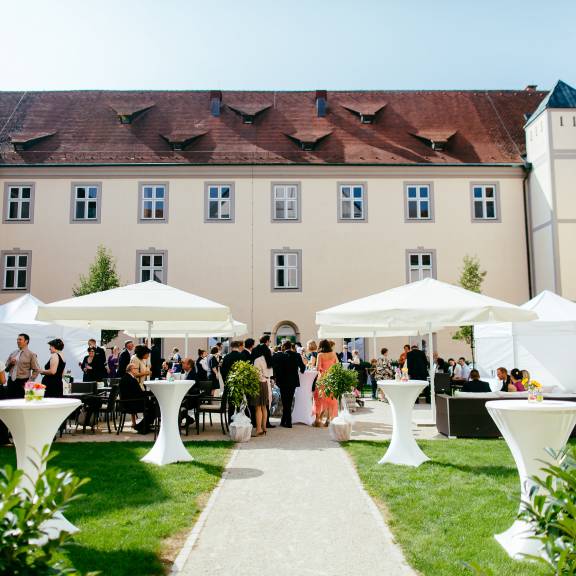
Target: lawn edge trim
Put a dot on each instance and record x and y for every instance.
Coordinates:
(379, 517)
(192, 538)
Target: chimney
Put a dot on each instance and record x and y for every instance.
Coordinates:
(215, 102)
(531, 88)
(321, 103)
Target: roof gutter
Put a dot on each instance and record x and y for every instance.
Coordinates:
(527, 220)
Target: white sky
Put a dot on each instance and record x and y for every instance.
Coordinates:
(285, 44)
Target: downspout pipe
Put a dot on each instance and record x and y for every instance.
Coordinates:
(527, 218)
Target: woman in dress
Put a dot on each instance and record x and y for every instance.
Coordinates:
(311, 354)
(113, 362)
(516, 384)
(54, 370)
(141, 361)
(93, 367)
(262, 358)
(201, 370)
(214, 365)
(324, 405)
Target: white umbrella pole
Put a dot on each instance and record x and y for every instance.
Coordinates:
(186, 345)
(514, 347)
(149, 322)
(374, 353)
(432, 372)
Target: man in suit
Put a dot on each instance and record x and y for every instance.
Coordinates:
(248, 347)
(100, 352)
(287, 366)
(475, 384)
(155, 361)
(418, 367)
(229, 360)
(21, 365)
(345, 356)
(124, 357)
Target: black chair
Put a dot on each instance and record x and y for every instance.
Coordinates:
(91, 408)
(130, 406)
(442, 383)
(213, 405)
(84, 387)
(109, 406)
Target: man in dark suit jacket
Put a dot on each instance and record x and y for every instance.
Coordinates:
(229, 360)
(155, 362)
(475, 384)
(287, 365)
(247, 352)
(124, 357)
(345, 355)
(418, 367)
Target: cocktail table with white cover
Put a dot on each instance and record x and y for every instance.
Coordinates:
(529, 428)
(303, 399)
(168, 447)
(402, 396)
(33, 425)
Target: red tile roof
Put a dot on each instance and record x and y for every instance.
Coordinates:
(488, 127)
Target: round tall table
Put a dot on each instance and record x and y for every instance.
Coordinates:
(402, 396)
(529, 428)
(168, 447)
(303, 399)
(33, 425)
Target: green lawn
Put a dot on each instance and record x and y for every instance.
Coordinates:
(129, 507)
(446, 512)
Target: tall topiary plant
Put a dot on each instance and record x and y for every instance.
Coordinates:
(337, 381)
(242, 382)
(101, 276)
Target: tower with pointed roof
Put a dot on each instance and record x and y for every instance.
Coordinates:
(551, 154)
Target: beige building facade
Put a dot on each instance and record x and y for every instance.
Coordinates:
(278, 241)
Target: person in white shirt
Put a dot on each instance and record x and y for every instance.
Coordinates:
(461, 370)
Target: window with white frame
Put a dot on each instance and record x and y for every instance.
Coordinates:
(285, 202)
(19, 202)
(420, 266)
(287, 266)
(484, 202)
(219, 202)
(153, 202)
(86, 200)
(418, 202)
(152, 266)
(15, 270)
(352, 199)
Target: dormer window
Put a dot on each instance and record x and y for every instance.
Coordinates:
(366, 111)
(248, 112)
(438, 140)
(180, 139)
(308, 140)
(127, 112)
(24, 140)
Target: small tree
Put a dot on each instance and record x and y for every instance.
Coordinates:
(243, 381)
(101, 276)
(471, 278)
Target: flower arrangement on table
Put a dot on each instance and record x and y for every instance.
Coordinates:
(534, 390)
(34, 391)
(405, 377)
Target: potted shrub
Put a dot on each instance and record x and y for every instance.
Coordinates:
(337, 382)
(243, 381)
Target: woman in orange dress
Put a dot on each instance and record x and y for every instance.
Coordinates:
(323, 405)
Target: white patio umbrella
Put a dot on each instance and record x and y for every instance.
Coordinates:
(200, 330)
(427, 304)
(142, 307)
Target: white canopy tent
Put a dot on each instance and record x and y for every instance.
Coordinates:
(539, 347)
(19, 315)
(138, 308)
(425, 306)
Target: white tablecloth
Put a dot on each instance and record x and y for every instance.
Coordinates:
(33, 425)
(303, 399)
(168, 447)
(402, 396)
(529, 428)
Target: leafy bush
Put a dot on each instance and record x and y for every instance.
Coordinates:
(242, 382)
(22, 513)
(337, 381)
(552, 512)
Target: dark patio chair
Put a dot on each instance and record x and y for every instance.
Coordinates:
(213, 405)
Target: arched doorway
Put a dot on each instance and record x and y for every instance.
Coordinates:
(285, 330)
